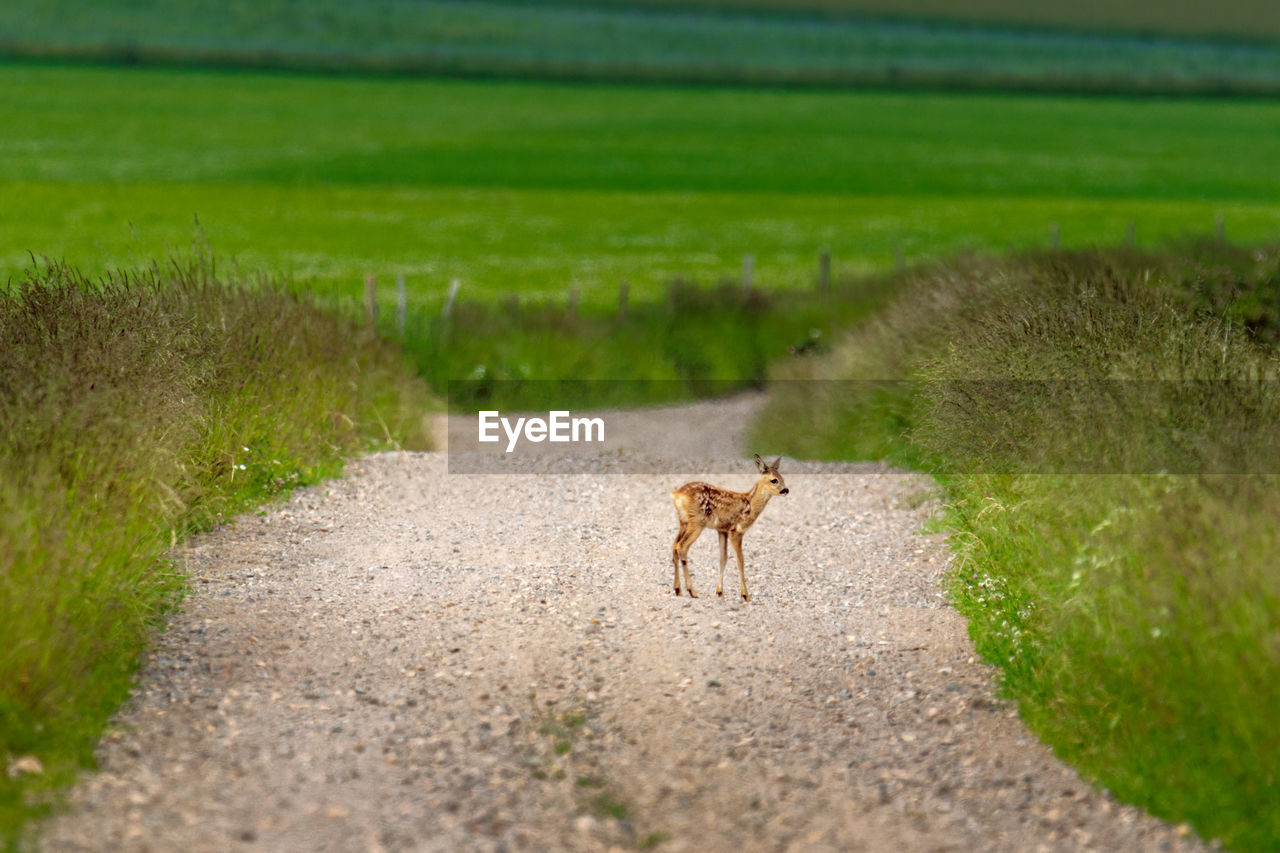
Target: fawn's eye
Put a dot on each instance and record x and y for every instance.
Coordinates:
(773, 481)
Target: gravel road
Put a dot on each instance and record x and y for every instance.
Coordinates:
(409, 659)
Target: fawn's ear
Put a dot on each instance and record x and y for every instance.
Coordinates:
(760, 464)
(774, 466)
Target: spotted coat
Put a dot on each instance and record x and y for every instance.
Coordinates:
(701, 505)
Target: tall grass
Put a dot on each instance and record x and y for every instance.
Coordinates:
(1106, 427)
(134, 410)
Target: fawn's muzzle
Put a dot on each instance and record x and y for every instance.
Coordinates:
(784, 491)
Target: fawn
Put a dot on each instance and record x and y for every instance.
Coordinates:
(701, 505)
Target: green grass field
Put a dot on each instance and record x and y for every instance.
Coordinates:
(1248, 19)
(534, 187)
(991, 45)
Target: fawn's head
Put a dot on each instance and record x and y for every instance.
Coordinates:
(770, 479)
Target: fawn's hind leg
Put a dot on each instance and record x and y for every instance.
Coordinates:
(675, 556)
(683, 541)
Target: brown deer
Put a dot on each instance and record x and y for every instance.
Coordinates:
(702, 505)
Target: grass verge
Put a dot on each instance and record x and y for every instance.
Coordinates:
(1105, 426)
(134, 410)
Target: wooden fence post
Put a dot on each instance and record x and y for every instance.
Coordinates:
(1054, 236)
(371, 298)
(402, 303)
(824, 271)
(448, 300)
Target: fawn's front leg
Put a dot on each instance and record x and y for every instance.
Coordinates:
(742, 566)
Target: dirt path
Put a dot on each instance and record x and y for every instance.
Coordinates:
(409, 659)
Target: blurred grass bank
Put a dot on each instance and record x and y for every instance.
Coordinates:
(135, 410)
(1107, 429)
